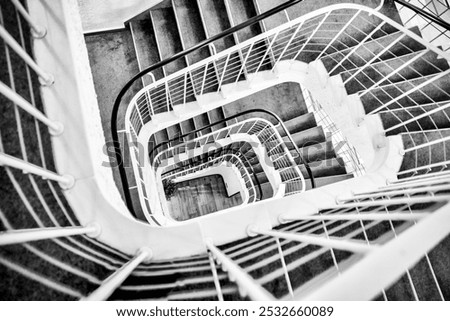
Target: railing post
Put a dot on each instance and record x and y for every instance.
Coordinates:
(247, 285)
(215, 277)
(45, 78)
(223, 72)
(116, 279)
(65, 181)
(37, 31)
(390, 261)
(55, 128)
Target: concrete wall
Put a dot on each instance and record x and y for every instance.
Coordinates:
(101, 15)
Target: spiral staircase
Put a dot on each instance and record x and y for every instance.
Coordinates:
(333, 118)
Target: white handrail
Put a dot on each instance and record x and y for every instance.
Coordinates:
(29, 235)
(116, 279)
(433, 142)
(37, 30)
(357, 217)
(44, 77)
(397, 192)
(215, 277)
(416, 118)
(419, 179)
(393, 201)
(280, 40)
(389, 261)
(56, 128)
(345, 245)
(247, 285)
(65, 181)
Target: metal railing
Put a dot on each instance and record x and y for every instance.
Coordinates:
(432, 17)
(280, 158)
(308, 38)
(151, 69)
(223, 160)
(352, 160)
(33, 206)
(391, 222)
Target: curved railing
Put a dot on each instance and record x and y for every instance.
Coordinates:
(239, 151)
(312, 37)
(72, 265)
(127, 86)
(219, 161)
(280, 157)
(280, 122)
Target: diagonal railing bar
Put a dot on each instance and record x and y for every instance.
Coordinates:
(435, 19)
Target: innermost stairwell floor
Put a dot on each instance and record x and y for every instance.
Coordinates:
(201, 196)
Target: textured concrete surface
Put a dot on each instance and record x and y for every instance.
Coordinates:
(113, 62)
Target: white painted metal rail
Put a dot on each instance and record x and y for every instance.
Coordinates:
(247, 285)
(116, 279)
(29, 235)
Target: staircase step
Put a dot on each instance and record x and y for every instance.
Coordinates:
(191, 28)
(216, 115)
(329, 167)
(146, 45)
(173, 131)
(437, 91)
(440, 262)
(428, 64)
(317, 152)
(240, 11)
(438, 120)
(161, 136)
(307, 137)
(298, 124)
(201, 121)
(188, 126)
(274, 20)
(323, 181)
(192, 32)
(370, 49)
(216, 21)
(33, 258)
(262, 177)
(423, 280)
(427, 155)
(169, 41)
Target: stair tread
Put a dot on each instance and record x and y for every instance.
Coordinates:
(169, 41)
(191, 31)
(428, 64)
(438, 90)
(376, 45)
(216, 21)
(146, 46)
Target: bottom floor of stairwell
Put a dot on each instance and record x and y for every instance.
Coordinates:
(201, 196)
